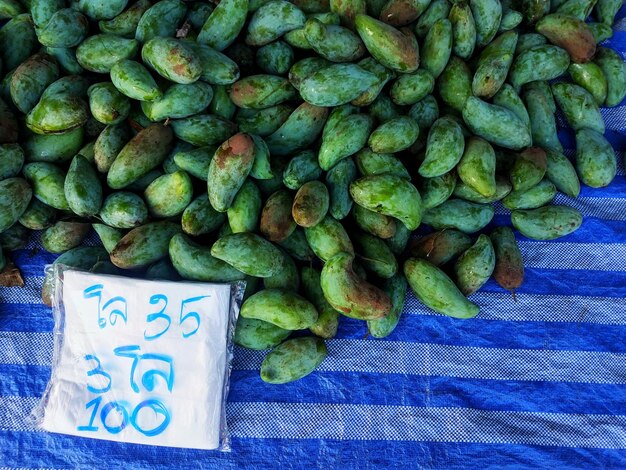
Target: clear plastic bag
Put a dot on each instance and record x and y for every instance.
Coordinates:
(141, 361)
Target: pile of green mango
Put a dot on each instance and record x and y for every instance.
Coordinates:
(297, 145)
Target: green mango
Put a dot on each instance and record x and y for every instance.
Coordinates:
(437, 190)
(372, 163)
(228, 170)
(389, 195)
(169, 195)
(394, 135)
(455, 84)
(327, 238)
(510, 20)
(475, 266)
(436, 10)
(570, 33)
(10, 9)
(529, 169)
(534, 10)
(495, 124)
(408, 89)
(173, 59)
(509, 269)
(401, 12)
(302, 167)
(382, 73)
(17, 41)
(477, 167)
(336, 84)
(14, 238)
(440, 247)
(82, 187)
(305, 68)
(547, 222)
(562, 173)
(63, 236)
(395, 49)
(461, 215)
(160, 20)
(123, 209)
(310, 204)
(47, 181)
(11, 160)
(109, 144)
(276, 220)
(425, 112)
(198, 13)
(250, 254)
(463, 30)
(508, 98)
(334, 43)
(312, 288)
(66, 28)
(348, 293)
(436, 290)
(293, 359)
(379, 225)
(527, 40)
(605, 10)
(287, 278)
(272, 20)
(347, 137)
(125, 24)
(299, 130)
(245, 212)
(444, 148)
(494, 64)
(144, 245)
(15, 195)
(261, 91)
(347, 10)
(338, 180)
(179, 101)
(57, 114)
(275, 58)
(437, 47)
(590, 77)
(395, 287)
(258, 334)
(383, 109)
(144, 152)
(133, 80)
(463, 191)
(162, 270)
(398, 242)
(70, 85)
(262, 122)
(65, 57)
(542, 121)
(108, 105)
(614, 70)
(539, 195)
(579, 107)
(543, 62)
(327, 323)
(261, 168)
(30, 79)
(487, 16)
(82, 257)
(375, 255)
(202, 129)
(221, 104)
(224, 25)
(199, 217)
(297, 246)
(38, 216)
(100, 52)
(595, 158)
(109, 236)
(195, 262)
(215, 67)
(99, 10)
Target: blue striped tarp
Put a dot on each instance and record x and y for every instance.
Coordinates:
(540, 382)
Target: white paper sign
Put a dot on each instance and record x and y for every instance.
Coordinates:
(140, 361)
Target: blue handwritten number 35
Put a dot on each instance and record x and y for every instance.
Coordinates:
(191, 317)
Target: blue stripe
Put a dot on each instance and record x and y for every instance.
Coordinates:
(22, 380)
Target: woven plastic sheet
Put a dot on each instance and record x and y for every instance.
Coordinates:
(540, 382)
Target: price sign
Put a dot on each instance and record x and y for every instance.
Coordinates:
(140, 361)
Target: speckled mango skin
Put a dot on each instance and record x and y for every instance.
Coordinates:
(395, 49)
(475, 266)
(65, 28)
(169, 194)
(47, 182)
(440, 247)
(528, 169)
(173, 59)
(548, 222)
(125, 24)
(144, 152)
(17, 41)
(272, 20)
(540, 194)
(38, 216)
(250, 254)
(336, 84)
(298, 131)
(258, 334)
(462, 215)
(595, 159)
(437, 47)
(463, 30)
(570, 33)
(245, 212)
(30, 79)
(494, 64)
(11, 160)
(282, 308)
(100, 52)
(179, 101)
(133, 80)
(107, 104)
(591, 78)
(509, 269)
(444, 148)
(328, 238)
(437, 190)
(579, 107)
(199, 217)
(542, 121)
(63, 236)
(53, 148)
(395, 135)
(161, 19)
(614, 69)
(144, 245)
(375, 254)
(123, 209)
(338, 180)
(542, 62)
(348, 136)
(396, 288)
(487, 16)
(349, 294)
(436, 290)
(261, 91)
(195, 262)
(562, 173)
(293, 359)
(389, 195)
(15, 195)
(82, 187)
(310, 204)
(334, 43)
(57, 114)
